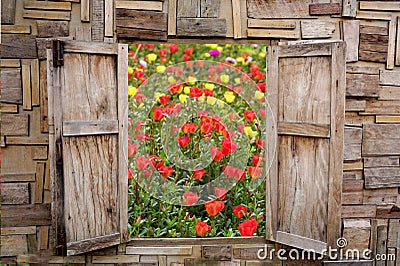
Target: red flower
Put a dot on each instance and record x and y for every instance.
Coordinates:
(262, 112)
(248, 227)
(262, 86)
(260, 143)
(195, 92)
(202, 228)
(189, 128)
(188, 51)
(216, 153)
(257, 159)
(208, 92)
(228, 146)
(220, 193)
(163, 60)
(198, 173)
(206, 127)
(229, 171)
(162, 52)
(142, 137)
(190, 198)
(164, 99)
(166, 171)
(261, 218)
(186, 57)
(142, 162)
(173, 48)
(250, 115)
(130, 174)
(183, 141)
(239, 211)
(219, 127)
(214, 207)
(138, 74)
(254, 171)
(158, 113)
(174, 88)
(132, 149)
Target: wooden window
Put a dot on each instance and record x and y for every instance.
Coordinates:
(88, 144)
(306, 84)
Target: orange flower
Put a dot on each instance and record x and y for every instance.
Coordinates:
(158, 113)
(250, 115)
(189, 128)
(257, 160)
(166, 171)
(206, 127)
(202, 228)
(248, 227)
(239, 211)
(183, 141)
(214, 207)
(190, 198)
(216, 153)
(220, 193)
(130, 174)
(254, 171)
(198, 173)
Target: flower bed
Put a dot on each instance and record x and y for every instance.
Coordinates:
(196, 140)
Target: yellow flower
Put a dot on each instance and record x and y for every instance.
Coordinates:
(224, 78)
(130, 70)
(151, 57)
(220, 49)
(202, 98)
(229, 96)
(161, 69)
(192, 80)
(259, 95)
(220, 104)
(238, 80)
(240, 60)
(186, 90)
(228, 45)
(207, 55)
(171, 80)
(212, 46)
(211, 100)
(209, 86)
(262, 55)
(182, 98)
(249, 132)
(132, 91)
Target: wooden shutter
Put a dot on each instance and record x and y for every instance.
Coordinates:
(87, 85)
(306, 84)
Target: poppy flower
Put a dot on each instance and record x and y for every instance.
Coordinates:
(220, 193)
(166, 171)
(158, 113)
(173, 48)
(228, 146)
(239, 211)
(216, 153)
(250, 115)
(256, 159)
(206, 127)
(142, 162)
(190, 198)
(183, 141)
(189, 128)
(164, 99)
(198, 173)
(195, 92)
(130, 174)
(201, 228)
(248, 227)
(254, 171)
(213, 207)
(132, 149)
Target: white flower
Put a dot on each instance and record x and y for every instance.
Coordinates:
(230, 60)
(143, 63)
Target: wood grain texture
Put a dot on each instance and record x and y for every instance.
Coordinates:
(236, 19)
(397, 59)
(140, 5)
(218, 252)
(376, 107)
(325, 9)
(362, 85)
(82, 128)
(10, 63)
(25, 215)
(209, 8)
(349, 8)
(149, 20)
(13, 245)
(374, 30)
(389, 93)
(201, 27)
(351, 34)
(380, 139)
(47, 5)
(359, 211)
(97, 20)
(8, 12)
(15, 193)
(85, 10)
(16, 29)
(11, 90)
(381, 177)
(273, 33)
(392, 43)
(271, 23)
(380, 5)
(138, 34)
(172, 13)
(15, 125)
(188, 8)
(26, 85)
(48, 14)
(352, 143)
(109, 18)
(304, 129)
(391, 78)
(311, 29)
(278, 9)
(357, 232)
(387, 119)
(18, 46)
(53, 28)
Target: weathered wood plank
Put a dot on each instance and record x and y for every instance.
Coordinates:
(53, 28)
(372, 56)
(359, 211)
(175, 250)
(115, 259)
(352, 146)
(188, 8)
(16, 29)
(236, 19)
(355, 105)
(311, 29)
(131, 33)
(325, 9)
(372, 70)
(97, 20)
(274, 33)
(9, 108)
(9, 63)
(353, 185)
(380, 5)
(380, 196)
(357, 233)
(381, 177)
(389, 93)
(108, 18)
(40, 173)
(7, 11)
(15, 125)
(44, 128)
(27, 141)
(82, 128)
(352, 166)
(25, 215)
(271, 23)
(372, 15)
(304, 129)
(51, 15)
(15, 193)
(362, 85)
(35, 92)
(387, 161)
(172, 13)
(18, 46)
(352, 198)
(218, 252)
(201, 27)
(380, 139)
(394, 234)
(149, 20)
(13, 245)
(28, 230)
(21, 177)
(209, 8)
(349, 8)
(397, 59)
(47, 5)
(11, 91)
(391, 78)
(85, 10)
(374, 30)
(387, 119)
(388, 212)
(351, 34)
(376, 107)
(140, 5)
(381, 132)
(278, 9)
(43, 237)
(392, 43)
(26, 85)
(96, 243)
(40, 153)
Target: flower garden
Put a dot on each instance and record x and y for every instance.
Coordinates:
(196, 140)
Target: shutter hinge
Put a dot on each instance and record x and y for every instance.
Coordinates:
(58, 53)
